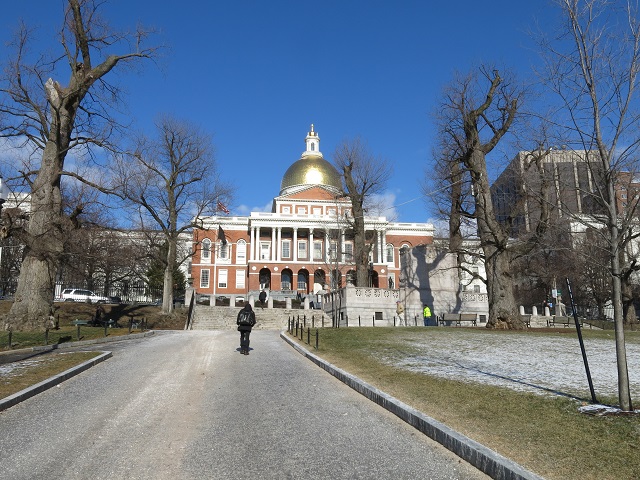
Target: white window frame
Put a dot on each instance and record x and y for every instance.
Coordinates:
(317, 250)
(205, 249)
(286, 248)
(205, 274)
(265, 251)
(240, 279)
(223, 278)
(302, 250)
(241, 252)
(347, 255)
(389, 253)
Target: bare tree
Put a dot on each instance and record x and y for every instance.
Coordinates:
(593, 68)
(51, 119)
(478, 110)
(364, 175)
(172, 181)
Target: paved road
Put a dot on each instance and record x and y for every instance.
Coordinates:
(187, 405)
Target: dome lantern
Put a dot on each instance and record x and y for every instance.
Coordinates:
(311, 168)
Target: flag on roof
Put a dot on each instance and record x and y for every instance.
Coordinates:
(222, 207)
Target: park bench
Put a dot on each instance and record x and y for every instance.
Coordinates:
(560, 320)
(458, 318)
(80, 322)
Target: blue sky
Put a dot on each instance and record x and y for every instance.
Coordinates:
(256, 74)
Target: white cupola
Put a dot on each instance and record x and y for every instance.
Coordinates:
(313, 144)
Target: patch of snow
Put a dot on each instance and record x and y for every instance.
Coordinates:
(547, 365)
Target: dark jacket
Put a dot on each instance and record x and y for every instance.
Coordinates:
(252, 316)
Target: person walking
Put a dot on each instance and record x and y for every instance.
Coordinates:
(245, 321)
(426, 315)
(263, 298)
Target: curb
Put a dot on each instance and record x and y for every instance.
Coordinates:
(79, 343)
(481, 457)
(33, 390)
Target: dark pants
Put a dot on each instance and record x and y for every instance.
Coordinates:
(426, 321)
(244, 339)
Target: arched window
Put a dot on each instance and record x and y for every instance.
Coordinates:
(241, 252)
(313, 146)
(389, 253)
(206, 250)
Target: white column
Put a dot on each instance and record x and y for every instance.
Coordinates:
(252, 248)
(295, 244)
(384, 246)
(257, 243)
(311, 245)
(379, 246)
(342, 259)
(325, 247)
(273, 244)
(279, 246)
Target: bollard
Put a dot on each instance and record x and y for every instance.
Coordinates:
(359, 321)
(46, 336)
(106, 325)
(373, 321)
(78, 332)
(308, 336)
(130, 324)
(316, 338)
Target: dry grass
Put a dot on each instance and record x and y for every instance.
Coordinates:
(39, 368)
(546, 435)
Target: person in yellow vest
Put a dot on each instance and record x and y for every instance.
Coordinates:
(426, 315)
(399, 310)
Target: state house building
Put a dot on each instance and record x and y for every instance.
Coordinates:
(304, 245)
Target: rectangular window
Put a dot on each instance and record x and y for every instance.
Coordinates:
(204, 278)
(348, 252)
(390, 254)
(317, 211)
(264, 251)
(317, 250)
(241, 252)
(222, 278)
(333, 251)
(476, 289)
(240, 278)
(302, 249)
(286, 249)
(223, 251)
(302, 211)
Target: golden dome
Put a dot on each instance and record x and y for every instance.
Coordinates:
(311, 170)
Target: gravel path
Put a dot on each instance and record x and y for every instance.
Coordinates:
(187, 405)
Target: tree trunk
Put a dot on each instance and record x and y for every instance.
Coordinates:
(167, 290)
(503, 309)
(624, 394)
(33, 300)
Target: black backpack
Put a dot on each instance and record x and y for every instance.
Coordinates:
(245, 318)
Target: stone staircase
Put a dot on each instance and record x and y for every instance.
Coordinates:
(206, 317)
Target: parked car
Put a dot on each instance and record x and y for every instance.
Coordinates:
(81, 295)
